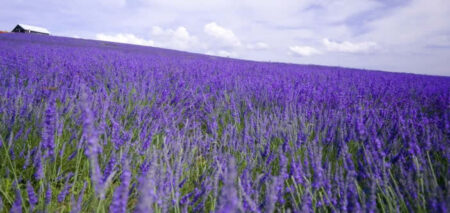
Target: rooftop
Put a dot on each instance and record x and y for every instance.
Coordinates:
(34, 28)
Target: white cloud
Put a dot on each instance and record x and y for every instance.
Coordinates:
(113, 3)
(223, 53)
(157, 30)
(404, 29)
(258, 46)
(438, 41)
(412, 24)
(349, 47)
(223, 34)
(178, 38)
(125, 38)
(304, 50)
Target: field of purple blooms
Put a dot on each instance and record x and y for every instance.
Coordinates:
(91, 126)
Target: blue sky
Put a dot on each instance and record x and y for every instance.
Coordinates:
(392, 35)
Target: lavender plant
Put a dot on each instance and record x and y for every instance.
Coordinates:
(90, 126)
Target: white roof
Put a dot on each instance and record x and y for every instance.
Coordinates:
(34, 28)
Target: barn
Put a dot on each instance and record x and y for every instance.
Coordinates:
(23, 28)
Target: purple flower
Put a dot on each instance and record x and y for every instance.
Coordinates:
(353, 202)
(62, 195)
(120, 196)
(93, 147)
(306, 204)
(31, 195)
(39, 169)
(186, 197)
(228, 200)
(71, 156)
(371, 203)
(109, 168)
(76, 205)
(17, 205)
(48, 194)
(273, 193)
(48, 134)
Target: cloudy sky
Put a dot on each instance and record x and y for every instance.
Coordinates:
(392, 35)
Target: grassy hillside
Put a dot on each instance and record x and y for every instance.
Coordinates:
(91, 126)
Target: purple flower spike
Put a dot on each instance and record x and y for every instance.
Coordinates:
(93, 147)
(228, 200)
(39, 169)
(32, 198)
(62, 195)
(48, 195)
(17, 205)
(48, 134)
(120, 197)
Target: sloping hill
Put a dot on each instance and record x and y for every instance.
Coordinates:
(92, 126)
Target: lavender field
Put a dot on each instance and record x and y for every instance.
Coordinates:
(90, 126)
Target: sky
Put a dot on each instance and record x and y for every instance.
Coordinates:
(392, 35)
